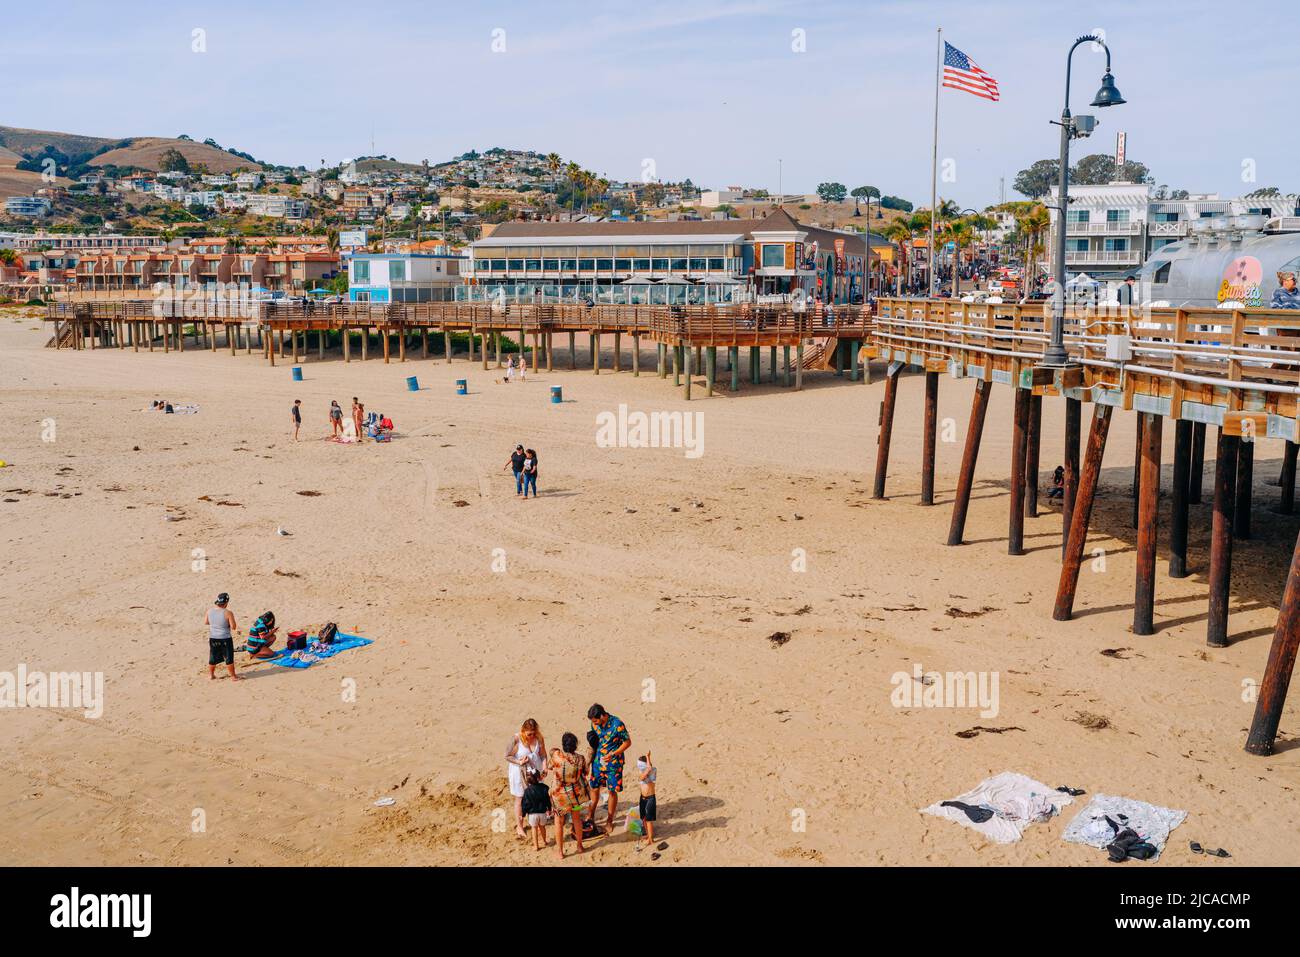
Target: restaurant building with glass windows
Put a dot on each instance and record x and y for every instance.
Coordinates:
(681, 262)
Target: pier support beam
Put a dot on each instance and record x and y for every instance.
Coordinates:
(1225, 497)
(885, 432)
(1287, 504)
(573, 353)
(595, 353)
(1073, 415)
(661, 360)
(1032, 455)
(1144, 594)
(710, 367)
(636, 354)
(690, 368)
(446, 344)
(1137, 466)
(1245, 487)
(1088, 477)
(1019, 451)
(929, 429)
(677, 365)
(966, 480)
(771, 356)
(1196, 479)
(798, 367)
(733, 362)
(1281, 664)
(1178, 499)
(787, 365)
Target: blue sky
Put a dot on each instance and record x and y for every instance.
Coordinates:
(710, 89)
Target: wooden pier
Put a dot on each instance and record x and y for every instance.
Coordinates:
(687, 338)
(1238, 370)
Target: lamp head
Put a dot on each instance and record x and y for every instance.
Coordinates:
(1108, 95)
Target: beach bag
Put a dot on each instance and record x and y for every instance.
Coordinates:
(328, 633)
(633, 825)
(297, 640)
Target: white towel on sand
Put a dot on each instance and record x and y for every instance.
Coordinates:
(1152, 822)
(1015, 800)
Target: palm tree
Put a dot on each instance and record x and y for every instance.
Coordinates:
(332, 239)
(553, 163)
(899, 231)
(572, 172)
(1033, 223)
(959, 233)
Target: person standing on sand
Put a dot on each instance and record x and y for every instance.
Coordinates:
(296, 412)
(356, 416)
(530, 472)
(221, 637)
(526, 748)
(614, 741)
(570, 794)
(336, 419)
(516, 465)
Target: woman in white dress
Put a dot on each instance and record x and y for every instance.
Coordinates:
(528, 747)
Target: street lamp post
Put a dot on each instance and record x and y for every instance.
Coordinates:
(1108, 95)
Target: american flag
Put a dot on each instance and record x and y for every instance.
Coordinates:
(961, 73)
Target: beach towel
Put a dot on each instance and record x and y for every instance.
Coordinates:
(1016, 801)
(341, 643)
(185, 409)
(1152, 823)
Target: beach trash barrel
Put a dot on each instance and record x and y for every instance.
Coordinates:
(557, 394)
(412, 384)
(462, 387)
(297, 373)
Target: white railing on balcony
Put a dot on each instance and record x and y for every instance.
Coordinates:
(1131, 228)
(1112, 256)
(1167, 229)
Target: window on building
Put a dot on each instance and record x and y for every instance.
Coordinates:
(773, 255)
(397, 270)
(360, 271)
(516, 265)
(1117, 245)
(1158, 243)
(587, 265)
(679, 265)
(551, 265)
(1076, 245)
(1076, 215)
(642, 265)
(1117, 215)
(660, 265)
(717, 264)
(1164, 217)
(622, 265)
(604, 265)
(532, 265)
(700, 265)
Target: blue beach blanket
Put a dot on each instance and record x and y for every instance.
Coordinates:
(342, 642)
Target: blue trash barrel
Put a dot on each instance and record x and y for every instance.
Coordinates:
(462, 388)
(297, 373)
(412, 384)
(557, 394)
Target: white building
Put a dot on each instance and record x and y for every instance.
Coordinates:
(1115, 227)
(32, 206)
(279, 207)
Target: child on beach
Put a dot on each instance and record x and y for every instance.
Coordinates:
(647, 773)
(296, 412)
(536, 805)
(1058, 483)
(593, 763)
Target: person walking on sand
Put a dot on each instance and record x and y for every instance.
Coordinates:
(336, 420)
(570, 794)
(526, 748)
(516, 465)
(296, 413)
(614, 741)
(530, 472)
(510, 369)
(221, 637)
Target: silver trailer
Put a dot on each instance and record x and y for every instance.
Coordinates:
(1229, 268)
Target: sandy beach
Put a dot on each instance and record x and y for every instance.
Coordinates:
(640, 578)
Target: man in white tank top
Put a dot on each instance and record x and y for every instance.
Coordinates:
(221, 637)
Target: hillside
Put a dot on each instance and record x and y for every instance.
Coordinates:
(144, 152)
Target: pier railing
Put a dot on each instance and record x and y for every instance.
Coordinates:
(1227, 364)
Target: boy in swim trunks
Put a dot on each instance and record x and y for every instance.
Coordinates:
(647, 772)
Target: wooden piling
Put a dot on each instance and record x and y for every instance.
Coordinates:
(1032, 455)
(798, 366)
(1063, 609)
(636, 354)
(1137, 467)
(1286, 505)
(1073, 415)
(970, 454)
(884, 433)
(689, 369)
(1245, 487)
(1178, 499)
(1225, 497)
(1144, 593)
(1281, 664)
(1196, 479)
(929, 429)
(1019, 452)
(710, 366)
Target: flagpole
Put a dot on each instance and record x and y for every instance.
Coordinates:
(934, 159)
